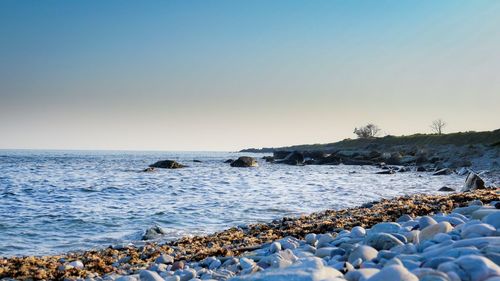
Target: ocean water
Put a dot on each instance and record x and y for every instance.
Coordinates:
(58, 201)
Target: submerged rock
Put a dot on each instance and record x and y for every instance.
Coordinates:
(245, 161)
(167, 164)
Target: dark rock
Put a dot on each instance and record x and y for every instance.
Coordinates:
(385, 172)
(421, 169)
(347, 161)
(315, 154)
(473, 182)
(153, 233)
(447, 189)
(149, 170)
(294, 158)
(244, 161)
(395, 159)
(269, 159)
(229, 161)
(167, 164)
(197, 161)
(309, 162)
(280, 154)
(443, 172)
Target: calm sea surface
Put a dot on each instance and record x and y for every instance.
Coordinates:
(57, 201)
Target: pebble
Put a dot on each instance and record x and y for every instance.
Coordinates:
(146, 275)
(311, 239)
(77, 264)
(492, 219)
(166, 259)
(426, 221)
(365, 253)
(385, 227)
(382, 241)
(432, 230)
(358, 232)
(393, 273)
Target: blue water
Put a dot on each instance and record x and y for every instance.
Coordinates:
(57, 201)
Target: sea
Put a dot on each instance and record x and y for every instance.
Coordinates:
(53, 202)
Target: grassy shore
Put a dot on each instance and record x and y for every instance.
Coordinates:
(234, 241)
(459, 139)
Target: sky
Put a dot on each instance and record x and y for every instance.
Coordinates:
(227, 75)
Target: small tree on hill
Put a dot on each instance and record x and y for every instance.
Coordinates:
(368, 131)
(437, 126)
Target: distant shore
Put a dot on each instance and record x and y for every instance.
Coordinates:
(234, 241)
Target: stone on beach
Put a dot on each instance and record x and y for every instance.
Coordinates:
(430, 231)
(382, 241)
(365, 253)
(393, 273)
(147, 275)
(166, 259)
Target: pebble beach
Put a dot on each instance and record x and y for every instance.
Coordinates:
(418, 237)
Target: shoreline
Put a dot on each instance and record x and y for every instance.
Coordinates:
(234, 241)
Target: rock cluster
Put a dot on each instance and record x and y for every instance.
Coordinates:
(419, 237)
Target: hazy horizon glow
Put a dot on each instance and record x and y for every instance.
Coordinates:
(227, 75)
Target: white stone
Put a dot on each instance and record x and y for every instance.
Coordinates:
(393, 273)
(246, 263)
(430, 231)
(361, 274)
(77, 264)
(492, 219)
(385, 227)
(358, 232)
(365, 253)
(146, 275)
(477, 230)
(275, 247)
(311, 239)
(164, 258)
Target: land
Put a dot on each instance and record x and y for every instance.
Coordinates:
(240, 250)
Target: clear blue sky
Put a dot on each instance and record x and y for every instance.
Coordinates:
(224, 75)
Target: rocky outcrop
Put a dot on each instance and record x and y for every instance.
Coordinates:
(167, 164)
(245, 161)
(293, 158)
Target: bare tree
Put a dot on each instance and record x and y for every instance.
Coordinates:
(368, 131)
(437, 126)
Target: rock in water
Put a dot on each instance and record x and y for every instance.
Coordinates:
(229, 161)
(294, 158)
(245, 161)
(446, 189)
(167, 164)
(473, 182)
(149, 170)
(153, 233)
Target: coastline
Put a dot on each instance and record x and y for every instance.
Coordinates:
(234, 241)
